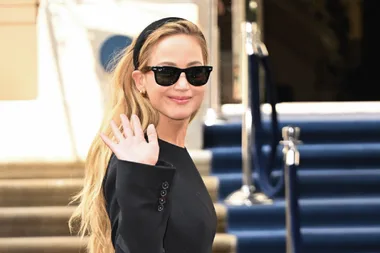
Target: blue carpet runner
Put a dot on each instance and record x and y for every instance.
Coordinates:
(340, 186)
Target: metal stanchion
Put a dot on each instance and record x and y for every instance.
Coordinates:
(247, 195)
(291, 159)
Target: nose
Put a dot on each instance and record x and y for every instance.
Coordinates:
(182, 83)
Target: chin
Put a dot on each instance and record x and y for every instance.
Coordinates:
(179, 116)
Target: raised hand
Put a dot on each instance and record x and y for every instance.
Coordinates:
(132, 145)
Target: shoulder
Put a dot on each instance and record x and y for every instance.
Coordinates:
(111, 166)
(110, 175)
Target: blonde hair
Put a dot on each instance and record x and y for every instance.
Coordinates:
(90, 217)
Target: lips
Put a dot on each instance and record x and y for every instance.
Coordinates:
(180, 99)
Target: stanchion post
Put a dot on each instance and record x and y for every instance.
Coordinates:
(291, 159)
(247, 195)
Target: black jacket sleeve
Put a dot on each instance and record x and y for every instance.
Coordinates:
(136, 199)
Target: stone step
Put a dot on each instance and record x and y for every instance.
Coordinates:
(53, 244)
(53, 169)
(58, 192)
(38, 192)
(223, 243)
(53, 221)
(34, 221)
(20, 170)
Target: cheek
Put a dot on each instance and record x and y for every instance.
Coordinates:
(155, 91)
(156, 94)
(199, 93)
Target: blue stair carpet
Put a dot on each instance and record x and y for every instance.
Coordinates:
(339, 179)
(316, 240)
(317, 212)
(228, 159)
(312, 131)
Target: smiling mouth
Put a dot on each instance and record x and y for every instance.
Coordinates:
(180, 100)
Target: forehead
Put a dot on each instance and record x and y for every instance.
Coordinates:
(179, 49)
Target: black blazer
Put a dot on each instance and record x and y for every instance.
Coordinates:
(162, 208)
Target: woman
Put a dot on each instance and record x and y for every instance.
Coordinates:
(142, 192)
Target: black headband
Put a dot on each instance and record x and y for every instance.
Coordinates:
(144, 35)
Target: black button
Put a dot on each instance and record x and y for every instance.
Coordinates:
(165, 185)
(163, 193)
(160, 208)
(162, 201)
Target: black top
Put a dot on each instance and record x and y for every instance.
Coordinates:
(162, 208)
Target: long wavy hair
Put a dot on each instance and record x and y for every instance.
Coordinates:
(90, 217)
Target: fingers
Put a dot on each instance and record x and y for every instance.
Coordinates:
(137, 126)
(107, 141)
(126, 126)
(116, 131)
(152, 134)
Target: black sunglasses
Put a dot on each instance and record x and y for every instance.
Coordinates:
(168, 75)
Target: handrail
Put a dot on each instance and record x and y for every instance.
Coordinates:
(260, 56)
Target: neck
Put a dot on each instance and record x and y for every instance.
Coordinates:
(172, 131)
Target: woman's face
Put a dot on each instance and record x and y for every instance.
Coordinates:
(180, 100)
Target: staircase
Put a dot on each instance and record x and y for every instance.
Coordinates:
(34, 208)
(339, 180)
(340, 191)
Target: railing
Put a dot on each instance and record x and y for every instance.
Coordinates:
(291, 162)
(255, 55)
(249, 77)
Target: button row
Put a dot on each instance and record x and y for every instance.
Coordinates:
(163, 193)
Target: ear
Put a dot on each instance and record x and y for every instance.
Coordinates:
(138, 77)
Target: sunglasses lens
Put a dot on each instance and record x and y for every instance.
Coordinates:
(198, 76)
(166, 76)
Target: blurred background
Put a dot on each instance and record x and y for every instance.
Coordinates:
(54, 62)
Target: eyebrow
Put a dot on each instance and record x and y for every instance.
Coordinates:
(168, 63)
